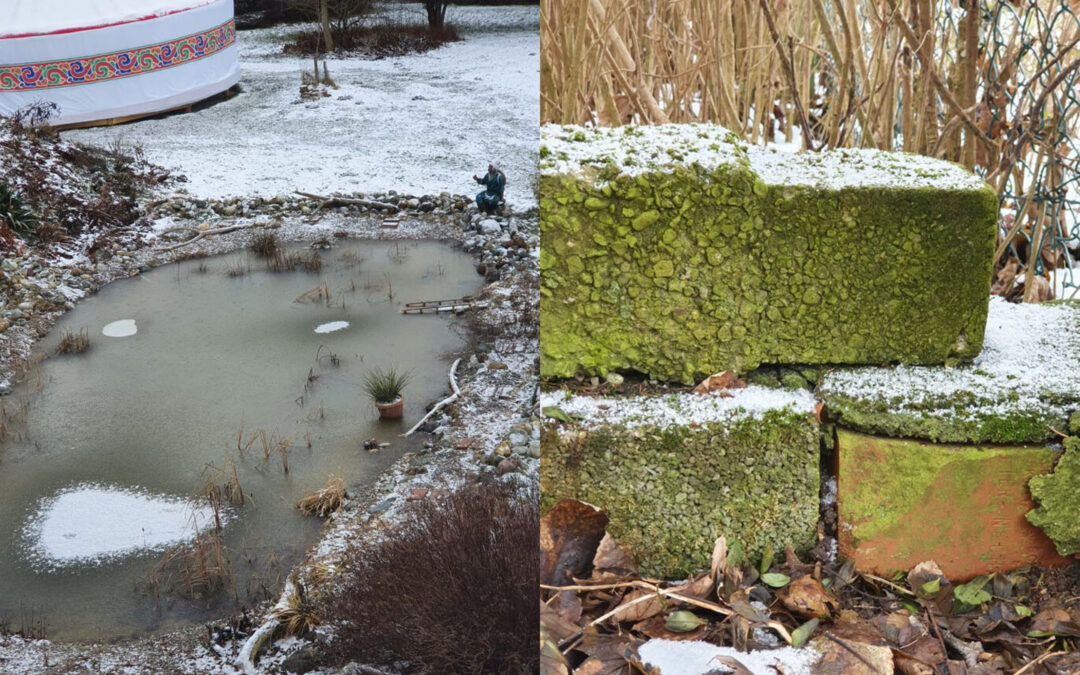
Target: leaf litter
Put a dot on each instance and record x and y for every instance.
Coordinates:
(792, 616)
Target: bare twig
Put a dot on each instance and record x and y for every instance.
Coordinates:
(449, 399)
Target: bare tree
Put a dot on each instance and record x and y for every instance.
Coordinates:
(335, 17)
(436, 12)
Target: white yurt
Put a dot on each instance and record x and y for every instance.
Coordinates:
(104, 61)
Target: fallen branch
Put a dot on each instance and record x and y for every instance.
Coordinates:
(199, 234)
(258, 640)
(449, 399)
(674, 594)
(348, 201)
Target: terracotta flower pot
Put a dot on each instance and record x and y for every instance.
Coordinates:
(391, 411)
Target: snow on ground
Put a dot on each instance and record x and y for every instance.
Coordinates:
(1028, 363)
(89, 524)
(699, 658)
(681, 408)
(423, 123)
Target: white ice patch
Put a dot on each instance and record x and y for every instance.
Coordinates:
(638, 150)
(697, 658)
(664, 410)
(331, 327)
(121, 328)
(89, 524)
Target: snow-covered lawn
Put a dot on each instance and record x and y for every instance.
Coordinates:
(419, 124)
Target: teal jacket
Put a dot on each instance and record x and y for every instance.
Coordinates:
(495, 184)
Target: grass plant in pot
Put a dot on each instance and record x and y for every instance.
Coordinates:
(384, 387)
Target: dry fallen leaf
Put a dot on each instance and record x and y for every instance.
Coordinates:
(568, 605)
(919, 657)
(719, 382)
(806, 597)
(632, 608)
(569, 535)
(610, 557)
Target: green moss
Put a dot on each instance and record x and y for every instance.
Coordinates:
(946, 419)
(766, 273)
(885, 483)
(1058, 511)
(671, 491)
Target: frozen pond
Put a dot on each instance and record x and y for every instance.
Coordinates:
(119, 441)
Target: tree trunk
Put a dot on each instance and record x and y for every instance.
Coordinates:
(436, 13)
(324, 19)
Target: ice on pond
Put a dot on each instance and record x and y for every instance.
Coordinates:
(91, 524)
(121, 328)
(331, 327)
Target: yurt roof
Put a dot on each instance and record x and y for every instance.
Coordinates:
(43, 17)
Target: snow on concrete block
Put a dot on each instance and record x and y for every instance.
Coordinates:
(679, 251)
(1022, 386)
(901, 502)
(676, 471)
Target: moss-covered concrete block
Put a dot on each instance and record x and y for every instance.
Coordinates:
(901, 502)
(675, 472)
(679, 252)
(1024, 385)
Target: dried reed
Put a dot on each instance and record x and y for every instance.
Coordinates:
(324, 501)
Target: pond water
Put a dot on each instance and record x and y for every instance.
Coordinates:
(119, 441)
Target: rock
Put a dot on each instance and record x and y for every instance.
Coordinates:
(416, 494)
(503, 449)
(381, 507)
(11, 314)
(4, 324)
(506, 466)
(488, 226)
(492, 274)
(426, 207)
(836, 660)
(303, 660)
(614, 379)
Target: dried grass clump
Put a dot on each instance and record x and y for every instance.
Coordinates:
(73, 343)
(323, 502)
(312, 263)
(281, 261)
(299, 616)
(194, 570)
(266, 245)
(452, 589)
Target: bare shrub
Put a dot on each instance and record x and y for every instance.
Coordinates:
(73, 343)
(452, 588)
